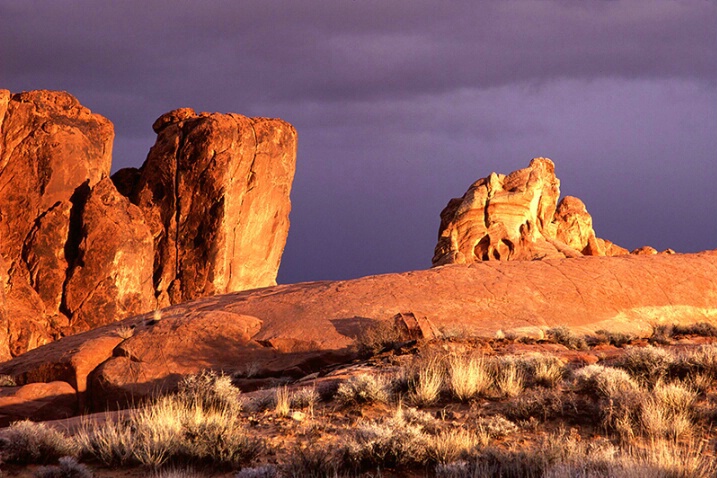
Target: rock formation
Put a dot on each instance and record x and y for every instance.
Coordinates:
(207, 213)
(517, 217)
(215, 192)
(292, 330)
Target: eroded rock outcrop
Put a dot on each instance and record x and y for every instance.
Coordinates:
(293, 330)
(215, 193)
(517, 217)
(207, 213)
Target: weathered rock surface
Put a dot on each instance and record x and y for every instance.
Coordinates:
(215, 191)
(37, 402)
(50, 148)
(207, 213)
(112, 273)
(517, 217)
(294, 329)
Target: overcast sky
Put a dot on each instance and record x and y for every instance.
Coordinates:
(401, 104)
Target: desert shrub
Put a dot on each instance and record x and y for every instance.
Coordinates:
(646, 364)
(564, 336)
(468, 376)
(618, 339)
(701, 360)
(449, 445)
(306, 397)
(27, 442)
(68, 467)
(704, 329)
(363, 388)
(425, 381)
(384, 443)
(548, 372)
(264, 471)
(312, 461)
(579, 460)
(605, 381)
(190, 427)
(542, 404)
(619, 397)
(413, 416)
(209, 391)
(496, 426)
(175, 472)
(668, 412)
(7, 381)
(380, 336)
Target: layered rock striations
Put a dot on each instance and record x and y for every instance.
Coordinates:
(517, 217)
(207, 213)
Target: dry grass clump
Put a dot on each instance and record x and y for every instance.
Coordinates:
(544, 370)
(363, 389)
(564, 336)
(26, 442)
(199, 424)
(449, 445)
(282, 402)
(468, 376)
(668, 413)
(426, 381)
(509, 378)
(647, 364)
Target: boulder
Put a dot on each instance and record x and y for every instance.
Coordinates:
(517, 217)
(37, 402)
(215, 193)
(295, 329)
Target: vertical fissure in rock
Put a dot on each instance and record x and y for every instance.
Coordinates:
(74, 238)
(177, 209)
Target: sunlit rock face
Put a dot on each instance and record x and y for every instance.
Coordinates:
(517, 217)
(51, 147)
(215, 192)
(206, 213)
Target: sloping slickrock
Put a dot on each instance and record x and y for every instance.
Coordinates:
(112, 276)
(314, 322)
(517, 217)
(215, 192)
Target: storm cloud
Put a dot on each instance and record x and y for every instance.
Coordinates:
(400, 105)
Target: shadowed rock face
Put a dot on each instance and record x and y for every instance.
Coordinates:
(207, 213)
(517, 217)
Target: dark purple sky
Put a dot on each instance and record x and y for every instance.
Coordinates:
(400, 105)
